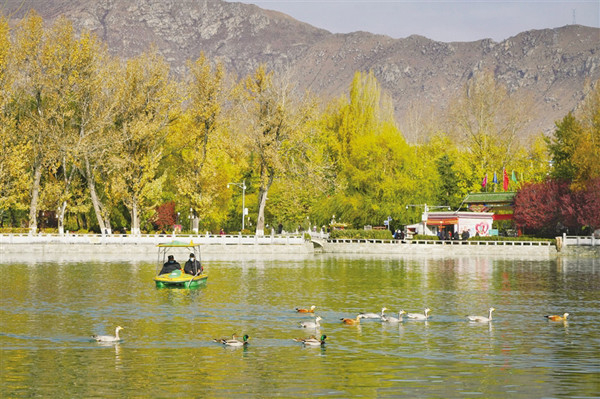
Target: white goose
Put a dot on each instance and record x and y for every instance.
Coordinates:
(311, 324)
(108, 338)
(374, 315)
(482, 319)
(391, 319)
(419, 316)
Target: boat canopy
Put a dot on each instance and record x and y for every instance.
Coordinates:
(177, 244)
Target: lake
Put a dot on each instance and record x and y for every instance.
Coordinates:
(50, 308)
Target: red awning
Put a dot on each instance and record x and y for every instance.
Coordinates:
(442, 222)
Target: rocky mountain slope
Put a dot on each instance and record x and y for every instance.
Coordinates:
(421, 75)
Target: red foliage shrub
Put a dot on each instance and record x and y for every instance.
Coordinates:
(550, 207)
(165, 216)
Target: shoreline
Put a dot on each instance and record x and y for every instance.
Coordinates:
(149, 250)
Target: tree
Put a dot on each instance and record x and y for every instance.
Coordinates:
(14, 179)
(33, 103)
(373, 168)
(276, 122)
(141, 120)
(204, 156)
(538, 207)
(487, 121)
(562, 147)
(581, 207)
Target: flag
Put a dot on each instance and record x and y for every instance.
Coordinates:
(513, 177)
(504, 179)
(484, 182)
(495, 181)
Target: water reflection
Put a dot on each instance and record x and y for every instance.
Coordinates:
(51, 306)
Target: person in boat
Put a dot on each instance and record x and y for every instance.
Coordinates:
(192, 266)
(170, 265)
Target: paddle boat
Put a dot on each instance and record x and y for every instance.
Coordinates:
(177, 278)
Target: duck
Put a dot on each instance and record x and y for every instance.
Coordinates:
(557, 317)
(419, 316)
(311, 310)
(391, 319)
(311, 324)
(235, 342)
(352, 322)
(482, 319)
(312, 340)
(109, 338)
(374, 315)
(220, 340)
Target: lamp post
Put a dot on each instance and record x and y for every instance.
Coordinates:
(241, 185)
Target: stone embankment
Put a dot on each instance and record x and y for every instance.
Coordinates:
(13, 246)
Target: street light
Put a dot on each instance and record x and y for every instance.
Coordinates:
(241, 185)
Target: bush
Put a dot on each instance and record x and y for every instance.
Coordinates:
(521, 238)
(425, 237)
(14, 230)
(361, 235)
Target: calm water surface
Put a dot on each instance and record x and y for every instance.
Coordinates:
(50, 308)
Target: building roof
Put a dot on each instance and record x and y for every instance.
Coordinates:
(504, 197)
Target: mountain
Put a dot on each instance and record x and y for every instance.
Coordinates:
(421, 75)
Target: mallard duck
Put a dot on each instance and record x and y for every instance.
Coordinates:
(419, 316)
(311, 324)
(220, 340)
(311, 310)
(236, 342)
(312, 340)
(352, 321)
(374, 315)
(391, 319)
(557, 317)
(108, 338)
(482, 319)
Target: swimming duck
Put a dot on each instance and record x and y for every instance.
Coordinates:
(374, 315)
(482, 319)
(108, 338)
(312, 340)
(220, 340)
(391, 319)
(419, 316)
(311, 310)
(352, 322)
(236, 342)
(311, 324)
(557, 317)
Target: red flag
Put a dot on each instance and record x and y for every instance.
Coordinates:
(484, 182)
(504, 179)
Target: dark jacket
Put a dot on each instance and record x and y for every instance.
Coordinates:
(192, 267)
(169, 267)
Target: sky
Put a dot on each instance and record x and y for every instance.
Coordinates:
(441, 20)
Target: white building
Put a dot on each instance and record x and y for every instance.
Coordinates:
(476, 223)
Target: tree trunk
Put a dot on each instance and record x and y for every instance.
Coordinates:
(61, 218)
(135, 221)
(35, 195)
(262, 203)
(94, 197)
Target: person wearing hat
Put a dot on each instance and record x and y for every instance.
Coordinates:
(170, 265)
(192, 266)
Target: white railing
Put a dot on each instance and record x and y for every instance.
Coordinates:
(580, 241)
(448, 242)
(154, 239)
